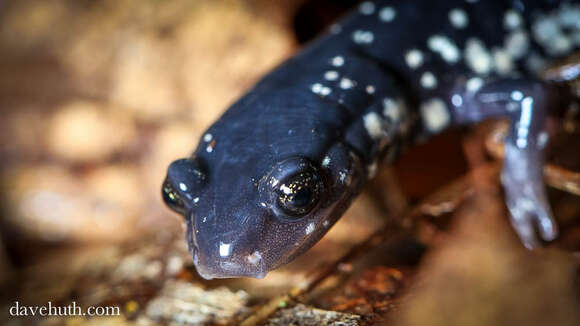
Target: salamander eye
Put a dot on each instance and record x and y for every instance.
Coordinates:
(172, 198)
(299, 194)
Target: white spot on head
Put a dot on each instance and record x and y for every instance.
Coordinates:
(254, 258)
(458, 18)
(414, 58)
(320, 89)
(325, 91)
(428, 80)
(225, 249)
(326, 161)
(445, 47)
(393, 109)
(457, 100)
(363, 37)
(548, 32)
(316, 88)
(502, 61)
(517, 95)
(209, 148)
(331, 75)
(337, 61)
(370, 89)
(207, 137)
(517, 44)
(387, 14)
(196, 200)
(309, 228)
(473, 84)
(435, 115)
(263, 204)
(204, 219)
(512, 20)
(477, 57)
(367, 8)
(346, 83)
(374, 125)
(182, 186)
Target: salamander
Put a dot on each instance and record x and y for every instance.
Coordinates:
(282, 164)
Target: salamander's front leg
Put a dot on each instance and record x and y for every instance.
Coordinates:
(526, 104)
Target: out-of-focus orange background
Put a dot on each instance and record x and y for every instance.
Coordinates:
(98, 97)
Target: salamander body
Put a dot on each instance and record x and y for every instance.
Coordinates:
(282, 164)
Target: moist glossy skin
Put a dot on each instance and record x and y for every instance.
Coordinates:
(275, 172)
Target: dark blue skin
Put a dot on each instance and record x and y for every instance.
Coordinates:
(283, 163)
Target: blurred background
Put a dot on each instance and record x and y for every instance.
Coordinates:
(97, 97)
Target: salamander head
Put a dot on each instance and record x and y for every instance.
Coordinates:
(244, 221)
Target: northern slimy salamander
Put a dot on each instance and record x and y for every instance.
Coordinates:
(282, 164)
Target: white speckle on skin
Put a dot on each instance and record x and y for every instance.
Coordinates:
(326, 161)
(325, 223)
(428, 80)
(367, 8)
(263, 204)
(458, 18)
(473, 84)
(325, 91)
(331, 75)
(370, 89)
(309, 228)
(543, 139)
(512, 20)
(225, 249)
(372, 170)
(346, 83)
(392, 109)
(457, 100)
(435, 115)
(335, 28)
(320, 89)
(363, 37)
(254, 258)
(502, 61)
(204, 219)
(414, 58)
(445, 47)
(209, 148)
(182, 186)
(547, 31)
(517, 95)
(374, 125)
(207, 137)
(195, 200)
(477, 56)
(387, 14)
(517, 44)
(337, 61)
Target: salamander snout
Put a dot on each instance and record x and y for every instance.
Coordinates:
(185, 179)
